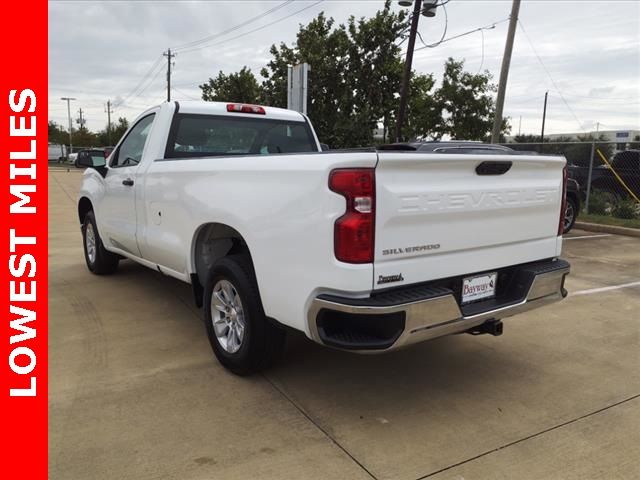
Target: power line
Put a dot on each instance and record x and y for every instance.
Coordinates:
(140, 92)
(605, 99)
(144, 78)
(190, 97)
(444, 32)
(549, 75)
(486, 27)
(229, 30)
(254, 30)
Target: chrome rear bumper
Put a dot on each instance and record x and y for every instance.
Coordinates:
(438, 313)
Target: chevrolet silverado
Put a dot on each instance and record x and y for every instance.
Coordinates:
(362, 250)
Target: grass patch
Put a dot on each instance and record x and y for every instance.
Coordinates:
(608, 220)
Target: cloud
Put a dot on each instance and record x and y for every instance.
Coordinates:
(102, 50)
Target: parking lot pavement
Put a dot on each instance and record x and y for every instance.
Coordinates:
(135, 392)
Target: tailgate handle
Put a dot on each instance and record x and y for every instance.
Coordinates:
(493, 168)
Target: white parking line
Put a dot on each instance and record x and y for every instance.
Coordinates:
(587, 236)
(605, 289)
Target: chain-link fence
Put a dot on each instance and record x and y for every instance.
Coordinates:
(607, 174)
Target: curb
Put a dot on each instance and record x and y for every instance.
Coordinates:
(597, 227)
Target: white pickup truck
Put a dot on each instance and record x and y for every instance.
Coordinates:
(362, 250)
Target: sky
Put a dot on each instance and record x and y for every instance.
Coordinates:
(586, 54)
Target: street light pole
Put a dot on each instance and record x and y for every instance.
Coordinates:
(68, 100)
(417, 5)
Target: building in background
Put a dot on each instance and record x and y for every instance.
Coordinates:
(621, 137)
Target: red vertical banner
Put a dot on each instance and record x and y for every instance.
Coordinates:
(23, 237)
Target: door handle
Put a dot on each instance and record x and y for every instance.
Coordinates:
(128, 182)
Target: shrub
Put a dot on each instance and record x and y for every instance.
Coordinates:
(599, 203)
(625, 209)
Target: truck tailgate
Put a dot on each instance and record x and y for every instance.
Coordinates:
(437, 217)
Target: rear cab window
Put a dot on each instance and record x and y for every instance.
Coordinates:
(197, 135)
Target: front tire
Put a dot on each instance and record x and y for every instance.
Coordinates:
(242, 338)
(99, 260)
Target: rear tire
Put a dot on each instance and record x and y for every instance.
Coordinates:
(99, 260)
(242, 338)
(570, 214)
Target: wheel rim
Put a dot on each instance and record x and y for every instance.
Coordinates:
(568, 215)
(90, 242)
(227, 316)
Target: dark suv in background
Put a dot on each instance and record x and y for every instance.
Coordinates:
(626, 164)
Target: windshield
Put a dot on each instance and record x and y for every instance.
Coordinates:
(207, 135)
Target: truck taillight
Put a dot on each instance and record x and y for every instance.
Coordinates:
(245, 108)
(563, 201)
(354, 231)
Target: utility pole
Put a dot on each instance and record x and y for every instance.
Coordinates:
(68, 100)
(108, 110)
(544, 119)
(520, 125)
(80, 119)
(404, 93)
(504, 71)
(169, 56)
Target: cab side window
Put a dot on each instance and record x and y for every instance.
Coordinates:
(130, 151)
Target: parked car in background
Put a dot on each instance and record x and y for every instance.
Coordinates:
(455, 146)
(57, 152)
(626, 165)
(362, 250)
(94, 155)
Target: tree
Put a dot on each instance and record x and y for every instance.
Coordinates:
(82, 137)
(466, 103)
(376, 67)
(241, 87)
(355, 74)
(103, 139)
(119, 129)
(526, 138)
(577, 150)
(330, 102)
(581, 154)
(355, 81)
(423, 114)
(57, 133)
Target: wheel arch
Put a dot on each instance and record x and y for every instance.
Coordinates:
(575, 197)
(212, 241)
(84, 207)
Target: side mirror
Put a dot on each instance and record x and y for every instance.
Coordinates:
(89, 161)
(324, 147)
(98, 163)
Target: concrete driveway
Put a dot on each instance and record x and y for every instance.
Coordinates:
(136, 393)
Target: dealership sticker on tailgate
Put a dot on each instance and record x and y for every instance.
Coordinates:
(478, 287)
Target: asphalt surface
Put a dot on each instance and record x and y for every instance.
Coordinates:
(136, 393)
